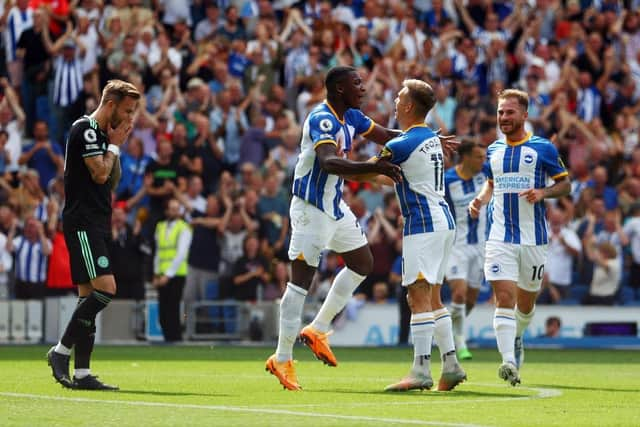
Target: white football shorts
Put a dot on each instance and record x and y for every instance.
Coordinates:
(425, 255)
(466, 262)
(313, 231)
(518, 263)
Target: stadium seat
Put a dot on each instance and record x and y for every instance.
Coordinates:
(578, 292)
(570, 301)
(626, 295)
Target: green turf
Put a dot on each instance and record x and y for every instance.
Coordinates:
(227, 386)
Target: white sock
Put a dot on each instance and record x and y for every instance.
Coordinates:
(344, 284)
(62, 349)
(422, 326)
(291, 307)
(443, 334)
(523, 320)
(504, 324)
(458, 314)
(81, 373)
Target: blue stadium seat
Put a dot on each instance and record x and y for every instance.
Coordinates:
(578, 292)
(570, 301)
(626, 295)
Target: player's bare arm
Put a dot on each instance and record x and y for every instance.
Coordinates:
(481, 199)
(100, 167)
(331, 163)
(561, 187)
(116, 173)
(381, 135)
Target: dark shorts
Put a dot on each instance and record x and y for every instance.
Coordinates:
(88, 254)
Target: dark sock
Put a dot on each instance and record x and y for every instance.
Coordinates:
(82, 321)
(84, 346)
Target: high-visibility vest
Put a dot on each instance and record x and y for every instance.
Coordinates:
(167, 246)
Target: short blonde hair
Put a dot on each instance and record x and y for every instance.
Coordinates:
(422, 95)
(116, 90)
(519, 95)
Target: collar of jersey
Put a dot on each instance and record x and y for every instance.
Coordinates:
(520, 142)
(418, 125)
(333, 111)
(463, 177)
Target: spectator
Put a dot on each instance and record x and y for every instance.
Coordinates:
(564, 247)
(277, 284)
(552, 327)
(42, 155)
(6, 262)
(31, 250)
(273, 210)
(36, 60)
(128, 250)
(632, 230)
(250, 271)
(172, 237)
(606, 275)
(204, 252)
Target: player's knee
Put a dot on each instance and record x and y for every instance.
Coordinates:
(505, 299)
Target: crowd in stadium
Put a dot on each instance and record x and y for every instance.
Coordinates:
(226, 87)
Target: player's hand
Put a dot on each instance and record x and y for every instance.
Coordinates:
(533, 195)
(119, 135)
(389, 169)
(474, 208)
(449, 143)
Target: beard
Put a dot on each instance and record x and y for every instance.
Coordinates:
(115, 119)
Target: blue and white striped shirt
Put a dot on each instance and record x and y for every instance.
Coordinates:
(30, 263)
(322, 126)
(516, 167)
(17, 22)
(67, 83)
(459, 192)
(421, 193)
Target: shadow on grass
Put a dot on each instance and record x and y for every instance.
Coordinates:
(583, 388)
(427, 394)
(170, 393)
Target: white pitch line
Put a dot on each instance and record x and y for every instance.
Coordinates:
(224, 408)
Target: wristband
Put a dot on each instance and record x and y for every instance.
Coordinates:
(114, 149)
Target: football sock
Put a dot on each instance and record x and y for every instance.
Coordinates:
(81, 373)
(83, 349)
(83, 319)
(458, 313)
(344, 284)
(291, 307)
(504, 324)
(422, 326)
(523, 320)
(443, 334)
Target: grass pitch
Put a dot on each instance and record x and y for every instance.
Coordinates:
(228, 386)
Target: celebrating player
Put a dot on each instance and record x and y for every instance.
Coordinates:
(321, 219)
(516, 250)
(91, 172)
(464, 272)
(429, 232)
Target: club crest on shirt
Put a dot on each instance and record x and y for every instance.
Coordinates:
(528, 159)
(325, 125)
(90, 135)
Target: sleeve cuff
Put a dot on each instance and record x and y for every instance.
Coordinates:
(371, 126)
(560, 175)
(325, 141)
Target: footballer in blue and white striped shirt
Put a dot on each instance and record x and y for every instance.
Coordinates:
(321, 220)
(516, 250)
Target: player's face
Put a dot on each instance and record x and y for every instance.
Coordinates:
(476, 159)
(124, 112)
(511, 116)
(401, 102)
(354, 90)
